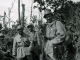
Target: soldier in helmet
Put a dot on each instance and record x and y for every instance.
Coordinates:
(34, 35)
(55, 34)
(22, 45)
(3, 48)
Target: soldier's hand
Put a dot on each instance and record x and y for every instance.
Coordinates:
(8, 51)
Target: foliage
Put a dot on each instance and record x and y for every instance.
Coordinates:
(34, 19)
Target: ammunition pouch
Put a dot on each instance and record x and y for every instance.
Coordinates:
(58, 50)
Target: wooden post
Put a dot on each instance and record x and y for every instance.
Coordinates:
(9, 16)
(31, 9)
(23, 14)
(4, 19)
(42, 13)
(19, 11)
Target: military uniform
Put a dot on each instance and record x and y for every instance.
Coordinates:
(19, 47)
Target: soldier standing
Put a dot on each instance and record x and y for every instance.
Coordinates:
(3, 48)
(55, 34)
(33, 33)
(22, 45)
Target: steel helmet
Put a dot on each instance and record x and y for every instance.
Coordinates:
(47, 12)
(19, 27)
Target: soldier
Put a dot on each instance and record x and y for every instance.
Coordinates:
(2, 53)
(55, 34)
(3, 48)
(35, 37)
(22, 45)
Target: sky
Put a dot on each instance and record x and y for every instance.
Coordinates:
(75, 0)
(5, 4)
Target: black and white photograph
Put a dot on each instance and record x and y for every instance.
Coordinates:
(39, 29)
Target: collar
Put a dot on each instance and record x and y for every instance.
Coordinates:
(19, 35)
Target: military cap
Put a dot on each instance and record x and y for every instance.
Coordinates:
(47, 12)
(19, 27)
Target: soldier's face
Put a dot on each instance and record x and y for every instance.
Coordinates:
(29, 29)
(20, 31)
(49, 18)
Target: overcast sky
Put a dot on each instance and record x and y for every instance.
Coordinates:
(5, 4)
(76, 0)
